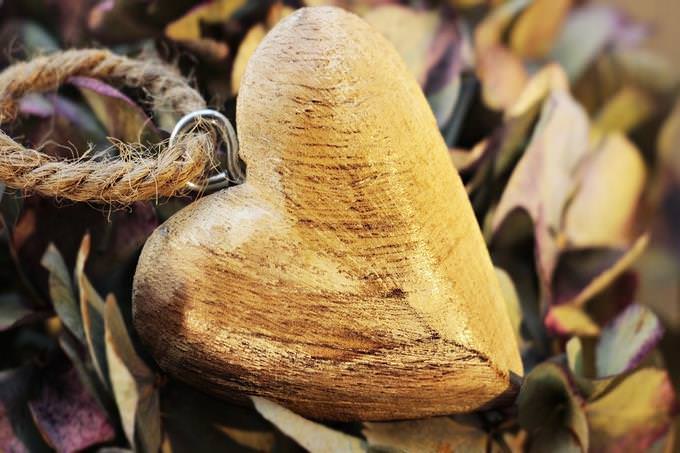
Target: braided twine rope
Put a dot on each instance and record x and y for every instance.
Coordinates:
(125, 178)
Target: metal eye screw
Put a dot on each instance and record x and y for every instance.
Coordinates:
(233, 171)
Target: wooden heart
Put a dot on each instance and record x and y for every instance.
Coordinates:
(347, 278)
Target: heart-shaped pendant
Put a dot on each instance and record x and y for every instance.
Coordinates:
(347, 278)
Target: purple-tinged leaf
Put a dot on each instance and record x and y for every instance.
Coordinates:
(634, 415)
(568, 320)
(582, 274)
(67, 414)
(18, 433)
(542, 182)
(122, 118)
(586, 33)
(627, 340)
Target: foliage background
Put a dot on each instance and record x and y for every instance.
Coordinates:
(573, 174)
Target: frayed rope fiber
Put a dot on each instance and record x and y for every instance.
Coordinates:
(132, 176)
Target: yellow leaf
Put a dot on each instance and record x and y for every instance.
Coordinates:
(392, 21)
(250, 42)
(603, 208)
(629, 108)
(534, 34)
(315, 437)
(188, 27)
(511, 300)
(255, 440)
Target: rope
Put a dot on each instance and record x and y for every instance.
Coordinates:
(131, 176)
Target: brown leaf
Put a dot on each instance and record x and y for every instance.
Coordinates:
(433, 435)
(132, 382)
(92, 313)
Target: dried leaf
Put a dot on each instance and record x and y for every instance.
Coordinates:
(511, 301)
(491, 29)
(132, 382)
(62, 293)
(187, 29)
(18, 433)
(629, 108)
(551, 411)
(195, 421)
(627, 340)
(250, 42)
(433, 435)
(585, 34)
(634, 415)
(603, 208)
(122, 118)
(13, 311)
(313, 436)
(582, 274)
(502, 75)
(67, 415)
(538, 26)
(255, 440)
(542, 181)
(569, 320)
(92, 313)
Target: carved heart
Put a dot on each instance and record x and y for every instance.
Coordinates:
(347, 277)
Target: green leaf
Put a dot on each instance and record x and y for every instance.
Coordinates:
(122, 118)
(315, 437)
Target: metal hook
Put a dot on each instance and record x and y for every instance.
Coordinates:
(233, 172)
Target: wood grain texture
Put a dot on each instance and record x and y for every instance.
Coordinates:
(347, 277)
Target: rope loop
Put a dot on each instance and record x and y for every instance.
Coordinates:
(121, 180)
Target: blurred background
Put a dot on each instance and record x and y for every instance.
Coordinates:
(663, 16)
